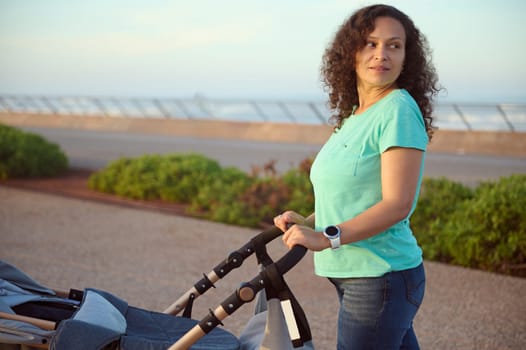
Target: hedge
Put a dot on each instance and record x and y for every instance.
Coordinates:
(24, 154)
(482, 227)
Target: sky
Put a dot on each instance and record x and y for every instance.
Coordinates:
(241, 48)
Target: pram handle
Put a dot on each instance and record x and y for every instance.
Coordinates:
(244, 294)
(234, 260)
(270, 234)
(289, 260)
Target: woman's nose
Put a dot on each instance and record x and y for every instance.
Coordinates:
(380, 53)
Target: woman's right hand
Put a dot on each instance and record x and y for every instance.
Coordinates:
(286, 219)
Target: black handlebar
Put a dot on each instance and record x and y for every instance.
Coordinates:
(236, 258)
(269, 234)
(267, 275)
(289, 260)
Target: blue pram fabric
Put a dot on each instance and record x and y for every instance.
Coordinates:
(101, 321)
(16, 277)
(17, 288)
(129, 328)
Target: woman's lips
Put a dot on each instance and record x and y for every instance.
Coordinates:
(379, 68)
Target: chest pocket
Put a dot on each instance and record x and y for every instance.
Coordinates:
(344, 156)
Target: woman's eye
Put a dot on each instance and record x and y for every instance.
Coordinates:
(395, 46)
(371, 44)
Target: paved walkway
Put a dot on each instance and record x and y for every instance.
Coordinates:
(150, 259)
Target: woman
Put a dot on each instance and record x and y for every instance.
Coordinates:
(367, 176)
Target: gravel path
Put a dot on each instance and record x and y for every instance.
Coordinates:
(150, 259)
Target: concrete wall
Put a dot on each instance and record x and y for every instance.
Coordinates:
(446, 141)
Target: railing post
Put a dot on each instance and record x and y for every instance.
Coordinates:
(259, 111)
(462, 117)
(200, 100)
(49, 105)
(287, 112)
(183, 108)
(317, 113)
(119, 106)
(505, 117)
(100, 106)
(157, 103)
(137, 104)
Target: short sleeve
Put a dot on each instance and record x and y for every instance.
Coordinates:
(403, 125)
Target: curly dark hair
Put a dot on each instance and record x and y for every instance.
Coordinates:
(338, 72)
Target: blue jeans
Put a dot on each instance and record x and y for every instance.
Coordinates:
(378, 312)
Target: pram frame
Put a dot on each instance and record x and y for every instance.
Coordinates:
(247, 291)
(44, 324)
(234, 260)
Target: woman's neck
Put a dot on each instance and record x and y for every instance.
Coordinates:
(368, 97)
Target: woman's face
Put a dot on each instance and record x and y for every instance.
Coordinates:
(380, 62)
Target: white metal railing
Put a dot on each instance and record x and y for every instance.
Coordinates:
(500, 117)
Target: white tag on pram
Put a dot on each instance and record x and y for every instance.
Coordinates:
(292, 326)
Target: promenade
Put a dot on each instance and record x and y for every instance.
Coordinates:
(150, 259)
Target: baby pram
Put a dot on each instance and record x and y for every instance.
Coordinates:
(34, 316)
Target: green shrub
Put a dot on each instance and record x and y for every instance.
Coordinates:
(226, 195)
(139, 179)
(182, 176)
(176, 177)
(106, 180)
(438, 200)
(24, 154)
(265, 198)
(255, 201)
(249, 202)
(481, 228)
(221, 192)
(301, 198)
(489, 231)
(484, 228)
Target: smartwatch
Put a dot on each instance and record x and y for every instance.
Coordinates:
(333, 234)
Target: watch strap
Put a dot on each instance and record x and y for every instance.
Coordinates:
(334, 239)
(335, 242)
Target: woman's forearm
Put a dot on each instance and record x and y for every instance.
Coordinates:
(310, 220)
(374, 220)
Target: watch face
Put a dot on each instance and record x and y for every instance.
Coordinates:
(332, 230)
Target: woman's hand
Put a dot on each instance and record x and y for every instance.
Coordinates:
(305, 236)
(289, 218)
(297, 230)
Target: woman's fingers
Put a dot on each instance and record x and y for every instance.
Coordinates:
(287, 219)
(305, 236)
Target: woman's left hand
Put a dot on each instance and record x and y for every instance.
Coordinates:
(305, 236)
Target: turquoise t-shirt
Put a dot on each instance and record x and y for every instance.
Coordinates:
(347, 181)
